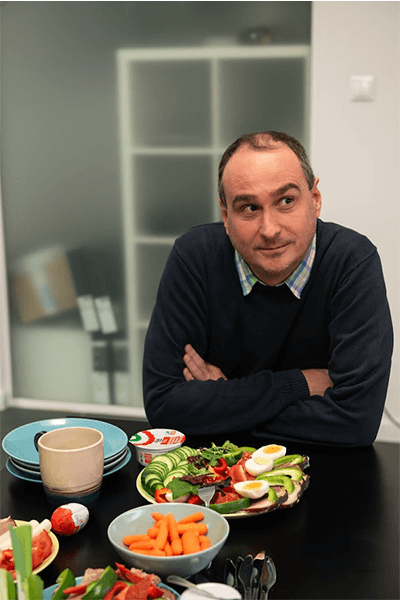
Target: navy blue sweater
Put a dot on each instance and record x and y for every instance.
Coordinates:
(262, 341)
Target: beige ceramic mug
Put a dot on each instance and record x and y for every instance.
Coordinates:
(71, 464)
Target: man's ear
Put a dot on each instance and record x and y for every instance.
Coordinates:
(224, 214)
(317, 198)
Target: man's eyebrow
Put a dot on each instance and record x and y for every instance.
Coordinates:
(285, 188)
(243, 198)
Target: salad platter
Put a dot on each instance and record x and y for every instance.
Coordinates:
(248, 481)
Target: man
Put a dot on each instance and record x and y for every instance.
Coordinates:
(273, 321)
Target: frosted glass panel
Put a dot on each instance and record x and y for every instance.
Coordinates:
(171, 103)
(150, 262)
(259, 95)
(172, 193)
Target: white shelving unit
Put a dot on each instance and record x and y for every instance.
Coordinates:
(179, 109)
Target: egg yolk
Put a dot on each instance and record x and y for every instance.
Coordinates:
(253, 485)
(271, 449)
(262, 460)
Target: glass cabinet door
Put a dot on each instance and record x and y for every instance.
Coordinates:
(114, 116)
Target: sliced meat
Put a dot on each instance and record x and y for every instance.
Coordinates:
(294, 497)
(262, 505)
(91, 575)
(4, 523)
(238, 473)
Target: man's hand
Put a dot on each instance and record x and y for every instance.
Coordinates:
(318, 381)
(197, 368)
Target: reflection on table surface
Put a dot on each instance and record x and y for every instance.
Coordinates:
(340, 541)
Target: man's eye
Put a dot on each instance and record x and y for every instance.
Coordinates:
(286, 201)
(249, 208)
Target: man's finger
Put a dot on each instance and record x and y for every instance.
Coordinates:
(187, 374)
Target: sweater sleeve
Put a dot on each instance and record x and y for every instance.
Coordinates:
(361, 337)
(180, 316)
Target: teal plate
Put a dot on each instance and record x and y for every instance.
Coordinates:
(48, 592)
(19, 443)
(34, 477)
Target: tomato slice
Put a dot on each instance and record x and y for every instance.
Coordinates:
(41, 548)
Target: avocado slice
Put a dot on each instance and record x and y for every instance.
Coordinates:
(294, 472)
(283, 480)
(289, 460)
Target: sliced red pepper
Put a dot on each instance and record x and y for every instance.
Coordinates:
(76, 589)
(221, 467)
(116, 588)
(195, 499)
(154, 592)
(127, 574)
(159, 495)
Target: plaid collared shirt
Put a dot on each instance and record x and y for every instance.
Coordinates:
(295, 282)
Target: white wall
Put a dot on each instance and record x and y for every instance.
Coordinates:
(355, 145)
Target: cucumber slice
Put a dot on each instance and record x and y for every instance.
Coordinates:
(225, 508)
(188, 451)
(179, 471)
(169, 461)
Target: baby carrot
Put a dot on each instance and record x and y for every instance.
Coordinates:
(172, 527)
(158, 516)
(197, 516)
(152, 532)
(129, 539)
(204, 542)
(142, 545)
(168, 549)
(154, 552)
(200, 528)
(162, 536)
(190, 542)
(176, 546)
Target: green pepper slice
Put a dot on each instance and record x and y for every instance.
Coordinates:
(97, 589)
(230, 507)
(65, 580)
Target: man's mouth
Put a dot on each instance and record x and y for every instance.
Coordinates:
(272, 248)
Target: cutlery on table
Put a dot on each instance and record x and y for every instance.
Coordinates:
(175, 579)
(268, 578)
(206, 493)
(245, 576)
(259, 563)
(238, 584)
(230, 573)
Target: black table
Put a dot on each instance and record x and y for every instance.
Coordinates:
(340, 541)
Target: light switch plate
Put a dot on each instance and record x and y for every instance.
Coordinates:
(363, 88)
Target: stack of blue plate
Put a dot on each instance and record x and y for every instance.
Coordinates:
(23, 458)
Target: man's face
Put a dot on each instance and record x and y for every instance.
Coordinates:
(270, 214)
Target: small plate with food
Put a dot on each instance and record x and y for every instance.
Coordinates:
(45, 546)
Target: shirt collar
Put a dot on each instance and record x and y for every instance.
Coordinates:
(295, 282)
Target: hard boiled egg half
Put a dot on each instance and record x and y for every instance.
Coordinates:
(252, 489)
(259, 464)
(271, 451)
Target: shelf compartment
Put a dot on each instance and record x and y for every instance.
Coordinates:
(265, 95)
(170, 103)
(172, 193)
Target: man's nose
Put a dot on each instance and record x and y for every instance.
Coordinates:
(270, 226)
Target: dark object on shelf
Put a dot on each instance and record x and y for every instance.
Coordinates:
(257, 36)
